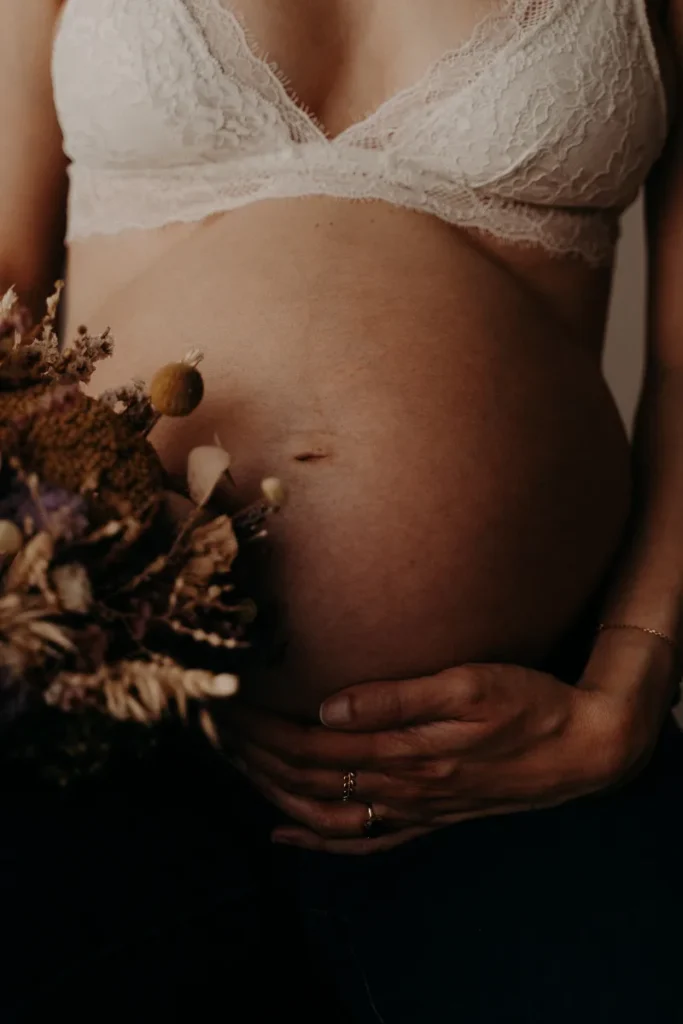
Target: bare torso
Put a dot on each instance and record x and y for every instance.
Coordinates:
(457, 470)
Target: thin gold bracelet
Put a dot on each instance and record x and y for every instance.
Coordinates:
(642, 629)
(678, 667)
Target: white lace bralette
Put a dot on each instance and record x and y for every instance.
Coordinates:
(539, 129)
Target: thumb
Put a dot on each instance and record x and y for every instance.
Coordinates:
(373, 707)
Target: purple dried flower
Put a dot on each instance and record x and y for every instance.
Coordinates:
(60, 512)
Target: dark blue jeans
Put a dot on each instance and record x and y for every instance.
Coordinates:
(161, 898)
(568, 916)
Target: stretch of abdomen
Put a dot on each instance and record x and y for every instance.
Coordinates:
(457, 471)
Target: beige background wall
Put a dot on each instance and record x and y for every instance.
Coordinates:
(626, 335)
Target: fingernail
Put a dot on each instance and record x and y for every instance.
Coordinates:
(336, 711)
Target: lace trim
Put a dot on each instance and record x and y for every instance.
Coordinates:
(152, 202)
(512, 132)
(220, 23)
(230, 44)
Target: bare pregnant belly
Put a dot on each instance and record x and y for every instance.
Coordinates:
(457, 472)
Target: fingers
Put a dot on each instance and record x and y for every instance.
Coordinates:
(454, 694)
(328, 820)
(307, 840)
(319, 783)
(322, 783)
(325, 748)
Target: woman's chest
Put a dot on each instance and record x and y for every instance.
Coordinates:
(552, 103)
(340, 60)
(344, 58)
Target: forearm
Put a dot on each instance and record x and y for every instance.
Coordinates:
(646, 586)
(32, 279)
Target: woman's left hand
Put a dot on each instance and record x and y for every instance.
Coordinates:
(477, 740)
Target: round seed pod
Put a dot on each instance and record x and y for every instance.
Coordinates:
(176, 389)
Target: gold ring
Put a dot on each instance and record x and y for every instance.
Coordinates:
(349, 786)
(372, 826)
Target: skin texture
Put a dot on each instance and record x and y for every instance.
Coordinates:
(470, 481)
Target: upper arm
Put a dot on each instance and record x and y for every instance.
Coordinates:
(33, 167)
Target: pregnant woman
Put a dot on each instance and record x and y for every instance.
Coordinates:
(391, 228)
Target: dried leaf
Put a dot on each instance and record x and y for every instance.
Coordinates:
(72, 586)
(209, 728)
(53, 634)
(29, 568)
(217, 540)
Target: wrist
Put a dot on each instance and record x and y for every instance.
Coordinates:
(633, 677)
(633, 662)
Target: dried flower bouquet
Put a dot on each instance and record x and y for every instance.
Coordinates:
(118, 602)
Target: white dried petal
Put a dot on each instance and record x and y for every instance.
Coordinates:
(51, 633)
(151, 694)
(181, 701)
(72, 585)
(52, 304)
(273, 491)
(209, 727)
(136, 711)
(206, 467)
(224, 685)
(30, 565)
(193, 358)
(11, 538)
(116, 700)
(193, 682)
(9, 302)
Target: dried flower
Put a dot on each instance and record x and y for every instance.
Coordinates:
(273, 492)
(117, 596)
(43, 507)
(177, 389)
(73, 587)
(133, 403)
(206, 467)
(76, 443)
